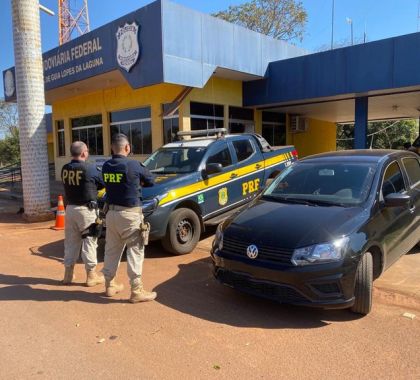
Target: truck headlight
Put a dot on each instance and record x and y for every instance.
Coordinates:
(320, 253)
(218, 240)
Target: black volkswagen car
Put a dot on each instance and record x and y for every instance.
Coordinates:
(324, 229)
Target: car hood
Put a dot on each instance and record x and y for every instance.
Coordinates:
(292, 226)
(167, 182)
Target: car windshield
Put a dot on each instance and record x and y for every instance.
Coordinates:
(175, 160)
(323, 183)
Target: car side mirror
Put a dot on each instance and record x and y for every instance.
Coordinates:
(397, 200)
(212, 168)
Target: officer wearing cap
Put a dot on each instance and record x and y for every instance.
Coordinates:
(123, 180)
(81, 182)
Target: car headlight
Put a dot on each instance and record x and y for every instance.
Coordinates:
(320, 253)
(218, 240)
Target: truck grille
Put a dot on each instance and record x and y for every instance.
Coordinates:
(278, 292)
(265, 253)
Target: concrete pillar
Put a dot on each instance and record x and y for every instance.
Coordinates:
(31, 109)
(361, 122)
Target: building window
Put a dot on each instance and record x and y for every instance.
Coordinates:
(61, 144)
(206, 116)
(274, 128)
(136, 125)
(170, 124)
(89, 130)
(241, 120)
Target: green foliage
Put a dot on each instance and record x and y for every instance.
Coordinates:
(381, 135)
(9, 148)
(280, 19)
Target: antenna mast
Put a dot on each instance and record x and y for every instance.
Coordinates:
(73, 19)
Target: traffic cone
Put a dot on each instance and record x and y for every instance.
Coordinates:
(60, 215)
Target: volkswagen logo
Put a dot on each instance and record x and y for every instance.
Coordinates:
(252, 251)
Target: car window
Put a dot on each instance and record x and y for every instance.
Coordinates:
(342, 183)
(412, 167)
(393, 180)
(243, 149)
(175, 160)
(221, 156)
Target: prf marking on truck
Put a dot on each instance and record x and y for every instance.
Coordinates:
(250, 186)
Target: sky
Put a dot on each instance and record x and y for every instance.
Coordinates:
(380, 18)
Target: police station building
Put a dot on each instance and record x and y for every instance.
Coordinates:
(166, 68)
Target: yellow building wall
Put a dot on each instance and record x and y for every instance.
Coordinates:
(217, 90)
(320, 137)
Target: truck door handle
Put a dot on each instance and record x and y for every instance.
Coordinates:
(233, 175)
(257, 166)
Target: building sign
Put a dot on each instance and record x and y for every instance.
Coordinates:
(74, 60)
(128, 48)
(114, 46)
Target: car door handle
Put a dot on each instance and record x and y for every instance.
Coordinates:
(412, 208)
(257, 166)
(233, 175)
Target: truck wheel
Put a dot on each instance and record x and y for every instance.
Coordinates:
(183, 233)
(363, 285)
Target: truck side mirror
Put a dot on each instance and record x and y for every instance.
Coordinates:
(397, 200)
(212, 168)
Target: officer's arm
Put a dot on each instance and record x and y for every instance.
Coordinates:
(146, 178)
(96, 177)
(100, 184)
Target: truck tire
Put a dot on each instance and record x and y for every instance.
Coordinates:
(183, 233)
(363, 285)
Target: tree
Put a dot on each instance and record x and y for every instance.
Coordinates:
(280, 19)
(381, 135)
(9, 147)
(8, 117)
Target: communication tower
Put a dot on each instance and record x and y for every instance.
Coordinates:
(73, 19)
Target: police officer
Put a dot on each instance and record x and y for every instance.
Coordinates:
(123, 180)
(81, 182)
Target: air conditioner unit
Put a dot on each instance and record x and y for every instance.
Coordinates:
(298, 124)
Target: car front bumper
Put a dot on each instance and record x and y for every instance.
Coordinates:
(329, 286)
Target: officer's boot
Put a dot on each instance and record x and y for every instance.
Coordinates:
(112, 288)
(139, 294)
(93, 279)
(69, 276)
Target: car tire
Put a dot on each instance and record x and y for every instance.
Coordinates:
(363, 285)
(183, 233)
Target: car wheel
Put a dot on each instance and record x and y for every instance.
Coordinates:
(363, 285)
(183, 233)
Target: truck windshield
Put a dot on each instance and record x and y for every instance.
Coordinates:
(175, 160)
(343, 184)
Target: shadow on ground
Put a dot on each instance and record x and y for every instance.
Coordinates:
(15, 288)
(194, 291)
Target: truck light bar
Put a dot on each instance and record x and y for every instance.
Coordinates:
(219, 132)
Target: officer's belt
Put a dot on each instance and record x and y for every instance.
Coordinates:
(124, 208)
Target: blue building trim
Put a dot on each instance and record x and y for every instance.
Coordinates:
(361, 69)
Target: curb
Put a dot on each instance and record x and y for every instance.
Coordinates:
(397, 298)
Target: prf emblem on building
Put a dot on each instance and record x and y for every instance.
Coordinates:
(9, 83)
(223, 196)
(128, 49)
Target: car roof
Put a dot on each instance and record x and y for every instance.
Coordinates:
(360, 155)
